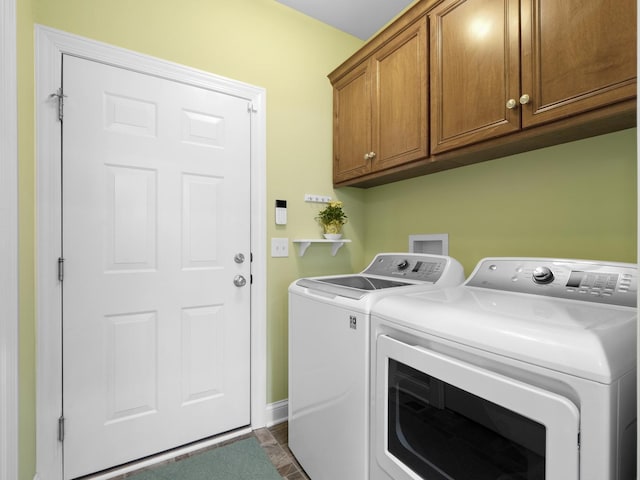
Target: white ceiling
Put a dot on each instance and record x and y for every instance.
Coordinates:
(360, 18)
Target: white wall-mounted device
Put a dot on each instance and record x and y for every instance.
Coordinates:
(281, 212)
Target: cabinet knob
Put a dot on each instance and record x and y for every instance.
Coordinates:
(369, 156)
(511, 104)
(524, 99)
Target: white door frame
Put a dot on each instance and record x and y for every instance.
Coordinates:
(9, 318)
(50, 45)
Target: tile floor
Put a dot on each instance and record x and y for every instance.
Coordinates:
(274, 442)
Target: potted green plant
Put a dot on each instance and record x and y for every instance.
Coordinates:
(332, 218)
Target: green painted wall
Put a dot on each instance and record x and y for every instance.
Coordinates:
(502, 207)
(576, 200)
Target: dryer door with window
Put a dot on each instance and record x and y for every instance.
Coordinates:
(439, 418)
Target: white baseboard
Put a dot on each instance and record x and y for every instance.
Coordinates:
(277, 412)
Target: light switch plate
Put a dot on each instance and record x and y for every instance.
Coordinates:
(279, 247)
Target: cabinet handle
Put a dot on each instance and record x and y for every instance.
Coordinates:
(524, 99)
(369, 156)
(366, 156)
(511, 104)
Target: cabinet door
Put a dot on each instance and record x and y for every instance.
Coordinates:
(474, 47)
(352, 124)
(400, 98)
(576, 56)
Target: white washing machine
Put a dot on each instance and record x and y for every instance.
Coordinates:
(526, 371)
(329, 357)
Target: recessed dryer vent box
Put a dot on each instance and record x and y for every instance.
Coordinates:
(435, 244)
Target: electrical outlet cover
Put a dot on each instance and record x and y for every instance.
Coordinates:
(279, 247)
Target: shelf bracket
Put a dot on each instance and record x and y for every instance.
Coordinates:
(335, 247)
(335, 244)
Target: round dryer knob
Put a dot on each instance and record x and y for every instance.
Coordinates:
(403, 265)
(543, 275)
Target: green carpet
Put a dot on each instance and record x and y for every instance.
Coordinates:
(241, 460)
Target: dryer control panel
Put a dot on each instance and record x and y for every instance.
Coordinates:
(599, 282)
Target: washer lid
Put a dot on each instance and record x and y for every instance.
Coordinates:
(357, 286)
(591, 341)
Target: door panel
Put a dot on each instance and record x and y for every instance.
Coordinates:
(156, 203)
(576, 56)
(400, 130)
(352, 124)
(474, 71)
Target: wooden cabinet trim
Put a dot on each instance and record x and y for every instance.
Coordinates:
(613, 118)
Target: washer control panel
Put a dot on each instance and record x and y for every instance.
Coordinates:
(408, 266)
(599, 282)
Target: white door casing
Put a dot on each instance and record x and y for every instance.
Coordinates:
(156, 209)
(51, 45)
(8, 243)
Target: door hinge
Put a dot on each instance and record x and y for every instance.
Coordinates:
(61, 269)
(251, 108)
(60, 96)
(61, 429)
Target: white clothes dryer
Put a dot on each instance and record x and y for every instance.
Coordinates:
(526, 371)
(329, 357)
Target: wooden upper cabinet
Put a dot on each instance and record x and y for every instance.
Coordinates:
(577, 55)
(380, 107)
(455, 82)
(352, 124)
(501, 65)
(475, 69)
(400, 99)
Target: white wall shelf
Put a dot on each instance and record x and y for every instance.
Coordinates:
(335, 244)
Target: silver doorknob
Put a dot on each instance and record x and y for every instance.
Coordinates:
(239, 281)
(511, 104)
(239, 258)
(524, 99)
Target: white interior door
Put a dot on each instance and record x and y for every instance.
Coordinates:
(156, 205)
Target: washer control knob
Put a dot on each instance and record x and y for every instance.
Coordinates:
(403, 265)
(542, 275)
